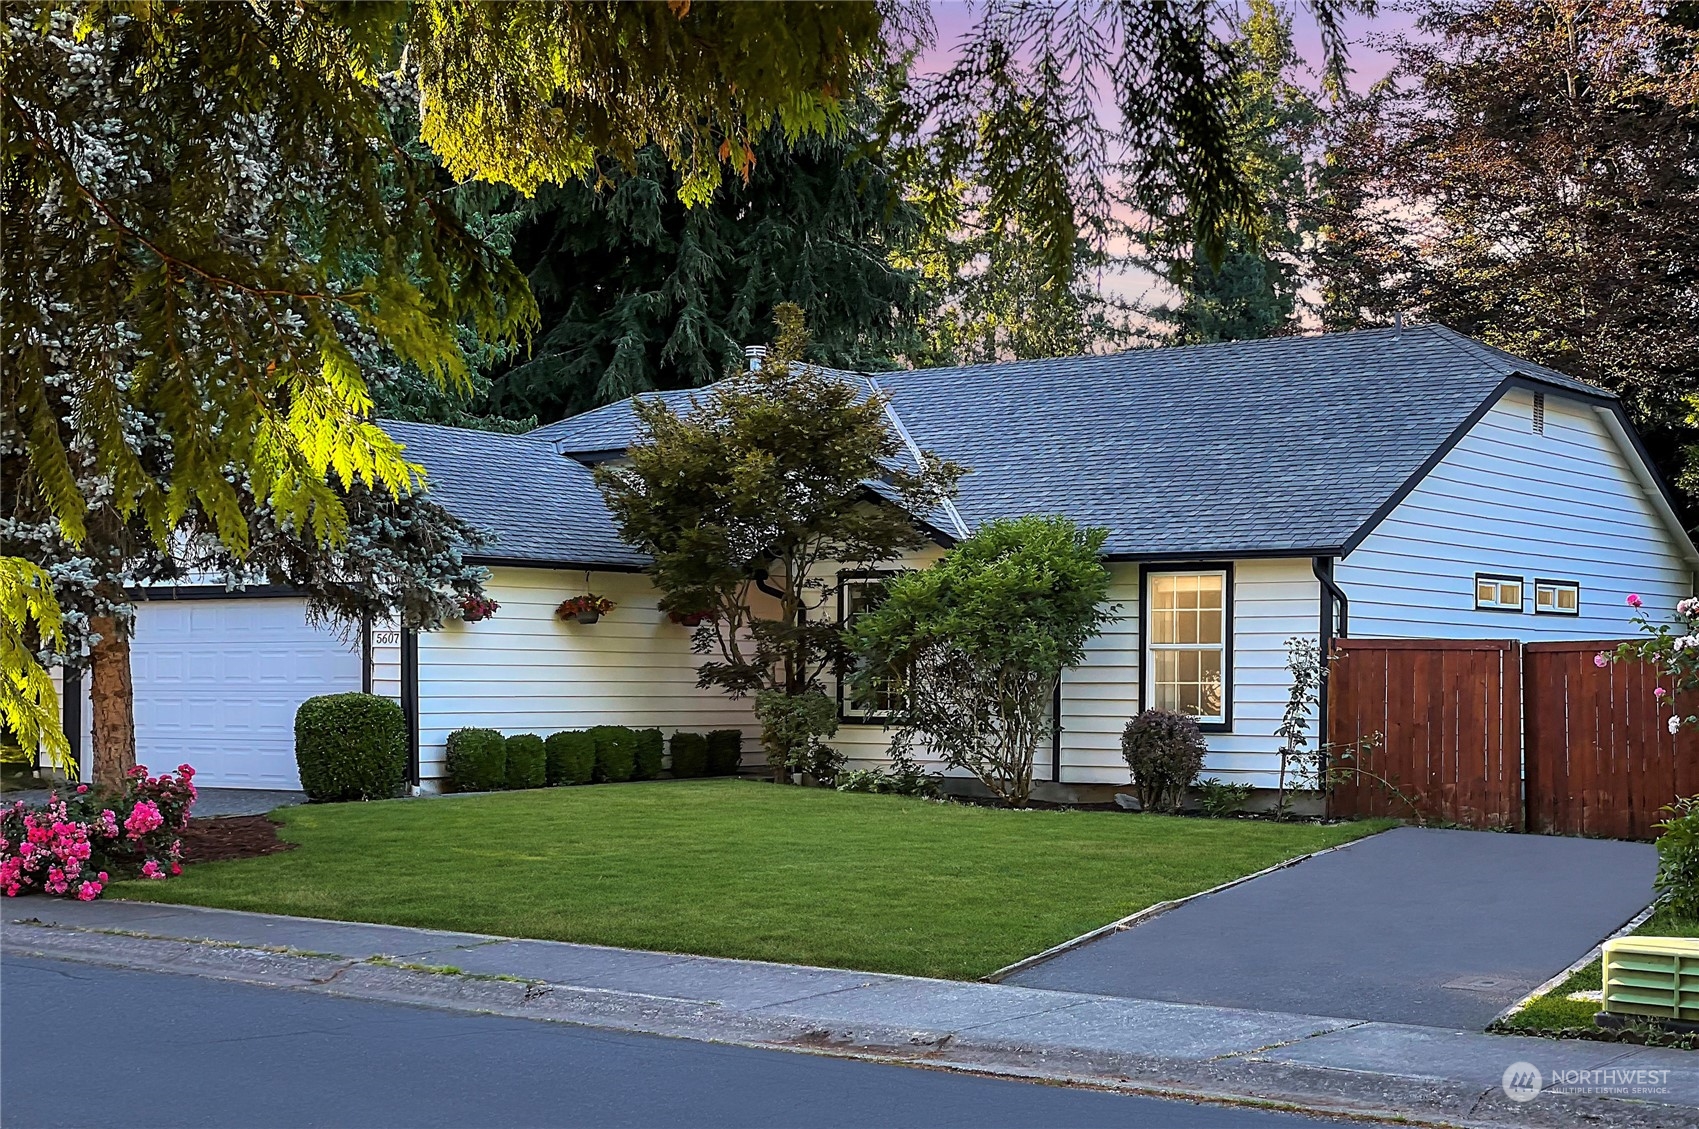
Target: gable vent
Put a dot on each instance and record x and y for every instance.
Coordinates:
(1539, 413)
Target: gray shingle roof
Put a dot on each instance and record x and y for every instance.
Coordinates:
(542, 508)
(1289, 444)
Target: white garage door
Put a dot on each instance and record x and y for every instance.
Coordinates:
(218, 681)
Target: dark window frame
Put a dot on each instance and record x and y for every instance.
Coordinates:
(845, 578)
(1500, 577)
(1575, 584)
(1146, 571)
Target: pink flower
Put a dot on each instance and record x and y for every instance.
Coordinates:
(82, 789)
(1633, 601)
(1600, 661)
(1659, 692)
(88, 891)
(144, 817)
(152, 869)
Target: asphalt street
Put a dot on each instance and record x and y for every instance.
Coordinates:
(84, 1045)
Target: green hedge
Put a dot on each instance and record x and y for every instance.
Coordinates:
(690, 755)
(350, 747)
(616, 753)
(571, 757)
(725, 752)
(527, 761)
(650, 748)
(477, 760)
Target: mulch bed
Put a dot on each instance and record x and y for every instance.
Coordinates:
(231, 837)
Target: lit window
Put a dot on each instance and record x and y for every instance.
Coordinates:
(1498, 593)
(1557, 597)
(858, 594)
(1186, 634)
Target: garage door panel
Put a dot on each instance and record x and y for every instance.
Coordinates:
(218, 683)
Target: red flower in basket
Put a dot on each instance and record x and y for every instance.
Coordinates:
(474, 608)
(585, 609)
(693, 619)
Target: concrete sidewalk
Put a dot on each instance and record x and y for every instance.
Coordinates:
(1316, 1063)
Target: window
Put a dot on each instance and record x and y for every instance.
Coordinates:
(1498, 593)
(1187, 651)
(859, 593)
(1557, 597)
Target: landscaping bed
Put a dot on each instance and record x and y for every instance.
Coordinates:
(743, 869)
(231, 837)
(1556, 1015)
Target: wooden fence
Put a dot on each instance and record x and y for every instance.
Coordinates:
(1447, 714)
(1500, 734)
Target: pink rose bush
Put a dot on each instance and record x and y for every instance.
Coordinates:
(70, 846)
(1671, 648)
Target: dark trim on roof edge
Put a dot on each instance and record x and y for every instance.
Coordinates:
(565, 566)
(1190, 556)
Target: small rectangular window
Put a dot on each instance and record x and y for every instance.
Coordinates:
(1557, 597)
(1498, 593)
(859, 593)
(1186, 643)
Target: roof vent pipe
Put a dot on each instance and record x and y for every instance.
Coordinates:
(754, 356)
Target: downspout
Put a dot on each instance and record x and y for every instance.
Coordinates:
(1332, 598)
(410, 701)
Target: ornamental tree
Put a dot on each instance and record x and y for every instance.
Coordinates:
(751, 500)
(969, 652)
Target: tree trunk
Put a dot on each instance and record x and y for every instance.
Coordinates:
(113, 695)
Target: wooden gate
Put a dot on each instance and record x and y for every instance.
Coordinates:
(1428, 728)
(1600, 756)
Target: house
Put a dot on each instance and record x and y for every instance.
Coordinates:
(1404, 483)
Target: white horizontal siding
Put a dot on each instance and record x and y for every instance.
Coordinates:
(1563, 505)
(386, 659)
(525, 671)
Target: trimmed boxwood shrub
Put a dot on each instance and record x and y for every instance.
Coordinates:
(1165, 752)
(649, 749)
(350, 747)
(571, 757)
(616, 753)
(477, 760)
(690, 755)
(527, 761)
(725, 751)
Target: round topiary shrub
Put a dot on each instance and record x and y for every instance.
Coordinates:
(527, 761)
(690, 755)
(350, 747)
(571, 757)
(616, 753)
(725, 751)
(649, 748)
(1165, 751)
(477, 760)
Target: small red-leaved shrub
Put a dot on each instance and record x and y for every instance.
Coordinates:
(70, 846)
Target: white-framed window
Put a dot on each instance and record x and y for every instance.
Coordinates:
(1557, 597)
(1498, 593)
(1188, 643)
(859, 593)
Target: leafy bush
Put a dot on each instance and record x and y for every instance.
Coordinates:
(616, 753)
(649, 748)
(792, 726)
(350, 747)
(571, 757)
(1219, 798)
(690, 755)
(477, 760)
(527, 761)
(903, 778)
(1165, 751)
(69, 847)
(1678, 857)
(725, 752)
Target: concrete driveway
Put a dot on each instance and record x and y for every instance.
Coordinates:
(1443, 928)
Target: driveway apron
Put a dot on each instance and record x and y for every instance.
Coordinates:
(1414, 925)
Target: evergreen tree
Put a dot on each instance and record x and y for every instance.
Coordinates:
(638, 291)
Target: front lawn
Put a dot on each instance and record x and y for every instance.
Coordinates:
(742, 869)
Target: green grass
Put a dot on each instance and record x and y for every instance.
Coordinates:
(742, 869)
(1555, 1012)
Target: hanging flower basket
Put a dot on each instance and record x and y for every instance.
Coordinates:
(475, 608)
(693, 619)
(585, 609)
